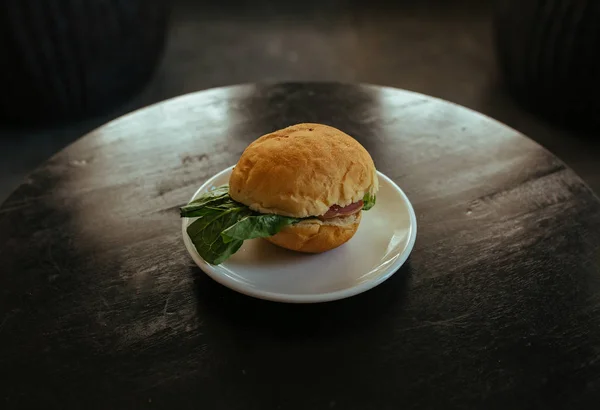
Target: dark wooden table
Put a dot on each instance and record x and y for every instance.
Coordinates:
(497, 308)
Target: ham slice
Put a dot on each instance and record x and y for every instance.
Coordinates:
(336, 211)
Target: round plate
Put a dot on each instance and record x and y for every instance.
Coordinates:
(385, 238)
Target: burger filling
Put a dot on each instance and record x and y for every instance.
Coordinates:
(337, 211)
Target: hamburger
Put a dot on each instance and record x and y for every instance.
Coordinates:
(302, 188)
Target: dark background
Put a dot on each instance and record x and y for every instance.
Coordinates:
(442, 48)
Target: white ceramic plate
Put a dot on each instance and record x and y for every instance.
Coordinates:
(381, 245)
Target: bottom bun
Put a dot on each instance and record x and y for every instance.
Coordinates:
(315, 236)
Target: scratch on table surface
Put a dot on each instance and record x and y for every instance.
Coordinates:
(55, 265)
(453, 321)
(3, 323)
(447, 322)
(18, 205)
(165, 313)
(165, 310)
(12, 208)
(23, 203)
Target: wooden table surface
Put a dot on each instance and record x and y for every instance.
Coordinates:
(498, 306)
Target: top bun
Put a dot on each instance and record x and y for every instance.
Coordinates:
(303, 170)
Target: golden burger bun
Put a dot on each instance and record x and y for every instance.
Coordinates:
(302, 171)
(315, 236)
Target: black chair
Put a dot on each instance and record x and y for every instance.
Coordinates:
(549, 54)
(62, 60)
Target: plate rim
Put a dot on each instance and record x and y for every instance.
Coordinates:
(213, 271)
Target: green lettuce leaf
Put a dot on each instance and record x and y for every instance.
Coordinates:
(212, 198)
(205, 234)
(222, 225)
(257, 226)
(368, 201)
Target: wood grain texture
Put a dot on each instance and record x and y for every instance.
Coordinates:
(497, 307)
